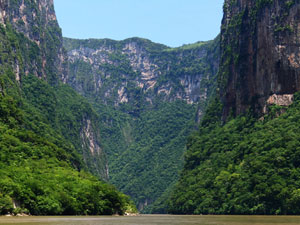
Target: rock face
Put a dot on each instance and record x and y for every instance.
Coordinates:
(154, 69)
(36, 20)
(260, 48)
(281, 100)
(93, 155)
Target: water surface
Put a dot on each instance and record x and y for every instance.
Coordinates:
(154, 220)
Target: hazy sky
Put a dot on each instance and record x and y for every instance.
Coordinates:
(170, 22)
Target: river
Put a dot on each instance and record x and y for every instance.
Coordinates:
(153, 220)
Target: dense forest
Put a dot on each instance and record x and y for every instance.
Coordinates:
(246, 166)
(42, 175)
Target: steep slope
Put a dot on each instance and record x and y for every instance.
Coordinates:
(148, 96)
(140, 64)
(244, 167)
(47, 129)
(36, 20)
(260, 53)
(245, 157)
(38, 40)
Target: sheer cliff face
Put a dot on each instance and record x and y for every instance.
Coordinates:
(25, 15)
(260, 48)
(111, 69)
(36, 20)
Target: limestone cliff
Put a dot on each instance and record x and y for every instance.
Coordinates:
(111, 69)
(260, 48)
(36, 20)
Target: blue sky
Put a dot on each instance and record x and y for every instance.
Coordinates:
(170, 22)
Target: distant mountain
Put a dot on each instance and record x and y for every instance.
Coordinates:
(149, 98)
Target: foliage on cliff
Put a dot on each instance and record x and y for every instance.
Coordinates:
(247, 166)
(143, 129)
(41, 157)
(237, 163)
(40, 174)
(153, 158)
(145, 151)
(67, 113)
(113, 72)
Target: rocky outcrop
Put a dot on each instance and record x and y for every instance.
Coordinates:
(281, 100)
(94, 156)
(111, 69)
(260, 48)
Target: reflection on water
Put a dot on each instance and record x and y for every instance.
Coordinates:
(154, 220)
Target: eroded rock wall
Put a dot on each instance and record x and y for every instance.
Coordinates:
(36, 20)
(260, 48)
(111, 69)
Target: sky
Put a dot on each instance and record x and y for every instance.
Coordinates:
(169, 22)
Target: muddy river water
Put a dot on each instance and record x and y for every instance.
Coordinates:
(154, 220)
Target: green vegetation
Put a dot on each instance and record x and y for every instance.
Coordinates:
(71, 44)
(145, 152)
(153, 158)
(66, 112)
(144, 138)
(188, 46)
(282, 27)
(42, 170)
(247, 166)
(42, 177)
(242, 164)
